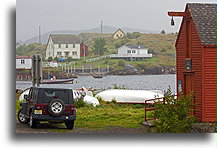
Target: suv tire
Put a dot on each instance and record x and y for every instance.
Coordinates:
(32, 122)
(22, 117)
(56, 107)
(69, 124)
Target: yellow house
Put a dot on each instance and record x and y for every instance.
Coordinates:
(118, 34)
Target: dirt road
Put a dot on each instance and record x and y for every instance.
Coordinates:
(60, 128)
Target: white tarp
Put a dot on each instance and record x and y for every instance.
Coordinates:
(130, 96)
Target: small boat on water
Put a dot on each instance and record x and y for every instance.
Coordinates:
(97, 75)
(58, 81)
(129, 96)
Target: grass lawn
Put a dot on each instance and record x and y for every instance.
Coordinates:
(110, 114)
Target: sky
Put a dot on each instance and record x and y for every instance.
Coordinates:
(86, 14)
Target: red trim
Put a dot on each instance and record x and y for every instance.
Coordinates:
(23, 57)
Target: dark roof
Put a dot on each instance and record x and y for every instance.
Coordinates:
(136, 46)
(117, 31)
(65, 39)
(204, 17)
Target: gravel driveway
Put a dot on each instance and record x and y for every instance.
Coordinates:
(60, 128)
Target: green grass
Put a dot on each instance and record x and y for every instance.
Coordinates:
(110, 115)
(107, 115)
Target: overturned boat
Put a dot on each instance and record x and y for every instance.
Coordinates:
(129, 96)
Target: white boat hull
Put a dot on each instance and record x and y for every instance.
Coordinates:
(129, 96)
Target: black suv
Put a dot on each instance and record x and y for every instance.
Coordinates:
(48, 104)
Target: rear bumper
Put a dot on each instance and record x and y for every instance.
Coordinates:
(53, 118)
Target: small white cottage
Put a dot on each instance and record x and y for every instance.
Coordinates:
(23, 62)
(132, 53)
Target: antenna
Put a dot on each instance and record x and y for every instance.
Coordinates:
(39, 36)
(101, 26)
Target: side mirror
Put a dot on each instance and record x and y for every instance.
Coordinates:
(26, 97)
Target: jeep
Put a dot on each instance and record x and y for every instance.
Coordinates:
(48, 104)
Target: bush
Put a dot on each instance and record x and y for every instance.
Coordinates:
(174, 115)
(80, 103)
(50, 59)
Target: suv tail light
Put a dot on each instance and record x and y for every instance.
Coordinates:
(69, 110)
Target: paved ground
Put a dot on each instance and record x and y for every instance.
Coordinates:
(60, 128)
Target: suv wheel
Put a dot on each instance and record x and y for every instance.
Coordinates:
(22, 117)
(32, 122)
(56, 107)
(69, 124)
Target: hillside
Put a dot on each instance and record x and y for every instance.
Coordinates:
(162, 46)
(106, 30)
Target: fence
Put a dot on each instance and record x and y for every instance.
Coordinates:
(86, 70)
(96, 59)
(23, 77)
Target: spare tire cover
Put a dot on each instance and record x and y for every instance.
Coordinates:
(56, 107)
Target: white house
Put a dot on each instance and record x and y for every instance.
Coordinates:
(23, 62)
(132, 53)
(63, 46)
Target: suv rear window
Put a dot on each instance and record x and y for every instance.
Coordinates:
(49, 94)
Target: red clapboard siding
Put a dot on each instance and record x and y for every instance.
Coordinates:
(209, 85)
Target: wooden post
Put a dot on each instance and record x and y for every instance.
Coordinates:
(145, 117)
(83, 69)
(91, 69)
(98, 69)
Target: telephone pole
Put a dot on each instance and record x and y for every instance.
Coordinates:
(39, 35)
(101, 26)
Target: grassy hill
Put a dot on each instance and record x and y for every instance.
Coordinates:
(162, 46)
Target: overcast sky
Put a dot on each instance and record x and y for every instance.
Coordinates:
(85, 14)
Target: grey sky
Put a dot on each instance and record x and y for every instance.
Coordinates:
(86, 14)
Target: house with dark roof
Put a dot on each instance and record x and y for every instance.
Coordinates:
(197, 58)
(118, 34)
(64, 46)
(132, 53)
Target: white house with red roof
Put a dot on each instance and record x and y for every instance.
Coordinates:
(23, 62)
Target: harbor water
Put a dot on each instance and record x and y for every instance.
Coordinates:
(137, 82)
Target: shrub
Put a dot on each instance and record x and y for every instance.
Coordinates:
(80, 103)
(174, 115)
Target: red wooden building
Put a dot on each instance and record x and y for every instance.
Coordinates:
(196, 58)
(83, 50)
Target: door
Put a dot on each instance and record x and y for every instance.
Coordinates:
(189, 88)
(188, 84)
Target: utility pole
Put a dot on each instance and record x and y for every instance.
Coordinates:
(39, 35)
(101, 26)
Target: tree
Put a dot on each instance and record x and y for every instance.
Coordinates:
(56, 59)
(174, 115)
(69, 59)
(50, 59)
(163, 32)
(99, 46)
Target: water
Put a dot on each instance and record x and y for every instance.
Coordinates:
(139, 82)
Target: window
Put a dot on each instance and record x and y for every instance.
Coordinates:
(22, 61)
(66, 53)
(59, 45)
(133, 51)
(66, 45)
(49, 94)
(74, 53)
(117, 35)
(59, 53)
(73, 45)
(128, 51)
